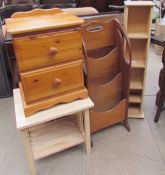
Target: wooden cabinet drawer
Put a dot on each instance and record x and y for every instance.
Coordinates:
(52, 81)
(47, 49)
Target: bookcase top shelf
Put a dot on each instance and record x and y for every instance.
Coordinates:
(139, 3)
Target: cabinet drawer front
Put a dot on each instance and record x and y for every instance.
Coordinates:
(52, 81)
(47, 49)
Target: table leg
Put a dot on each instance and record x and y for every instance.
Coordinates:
(80, 121)
(87, 131)
(28, 151)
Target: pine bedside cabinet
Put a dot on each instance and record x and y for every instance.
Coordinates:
(50, 131)
(49, 54)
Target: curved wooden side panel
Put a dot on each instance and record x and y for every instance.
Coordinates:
(36, 12)
(125, 63)
(107, 95)
(98, 34)
(103, 69)
(100, 120)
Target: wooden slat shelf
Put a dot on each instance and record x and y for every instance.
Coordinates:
(56, 137)
(138, 63)
(136, 35)
(135, 98)
(136, 85)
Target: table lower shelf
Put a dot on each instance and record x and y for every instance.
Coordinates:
(54, 136)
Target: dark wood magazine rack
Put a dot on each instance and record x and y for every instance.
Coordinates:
(107, 72)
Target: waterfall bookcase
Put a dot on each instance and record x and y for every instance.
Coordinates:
(137, 23)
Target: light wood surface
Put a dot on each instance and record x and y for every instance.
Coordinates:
(35, 21)
(139, 49)
(138, 28)
(56, 137)
(138, 63)
(135, 98)
(49, 114)
(139, 3)
(136, 85)
(138, 24)
(68, 47)
(137, 79)
(136, 112)
(53, 130)
(28, 151)
(87, 131)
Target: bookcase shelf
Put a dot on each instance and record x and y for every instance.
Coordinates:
(135, 98)
(56, 136)
(139, 35)
(137, 78)
(136, 85)
(135, 112)
(138, 63)
(137, 23)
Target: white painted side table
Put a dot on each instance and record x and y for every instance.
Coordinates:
(50, 131)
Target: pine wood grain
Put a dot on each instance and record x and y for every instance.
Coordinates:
(34, 51)
(40, 21)
(57, 137)
(43, 83)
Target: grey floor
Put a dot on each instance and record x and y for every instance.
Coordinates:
(115, 151)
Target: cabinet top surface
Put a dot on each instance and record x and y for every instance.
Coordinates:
(39, 19)
(139, 3)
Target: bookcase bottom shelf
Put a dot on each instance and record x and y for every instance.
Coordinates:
(135, 112)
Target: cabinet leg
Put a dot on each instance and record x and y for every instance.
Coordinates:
(28, 151)
(87, 131)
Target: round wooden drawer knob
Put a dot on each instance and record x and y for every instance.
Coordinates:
(57, 82)
(53, 51)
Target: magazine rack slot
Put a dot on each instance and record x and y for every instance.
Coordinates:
(109, 117)
(107, 95)
(102, 70)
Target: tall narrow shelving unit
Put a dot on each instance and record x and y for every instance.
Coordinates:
(137, 23)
